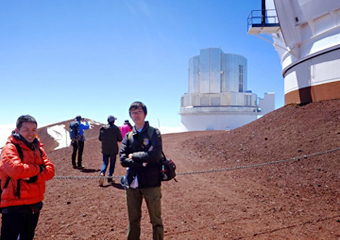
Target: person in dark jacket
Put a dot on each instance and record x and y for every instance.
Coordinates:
(24, 169)
(141, 152)
(109, 135)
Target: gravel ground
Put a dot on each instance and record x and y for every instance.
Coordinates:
(274, 178)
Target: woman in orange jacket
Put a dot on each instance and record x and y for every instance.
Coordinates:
(24, 169)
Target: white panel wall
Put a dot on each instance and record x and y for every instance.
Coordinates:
(307, 27)
(318, 70)
(216, 122)
(267, 104)
(225, 99)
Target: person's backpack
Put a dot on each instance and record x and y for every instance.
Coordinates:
(167, 166)
(168, 169)
(74, 130)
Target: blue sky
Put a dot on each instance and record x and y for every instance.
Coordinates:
(63, 58)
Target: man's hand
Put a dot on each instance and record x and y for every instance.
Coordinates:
(32, 179)
(130, 155)
(42, 168)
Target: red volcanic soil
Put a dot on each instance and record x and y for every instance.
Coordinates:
(275, 178)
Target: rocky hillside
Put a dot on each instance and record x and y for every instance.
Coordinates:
(275, 178)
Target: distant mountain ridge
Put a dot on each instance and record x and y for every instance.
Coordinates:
(276, 124)
(51, 143)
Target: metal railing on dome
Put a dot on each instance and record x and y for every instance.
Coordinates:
(256, 19)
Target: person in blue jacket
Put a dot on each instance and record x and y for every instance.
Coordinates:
(78, 145)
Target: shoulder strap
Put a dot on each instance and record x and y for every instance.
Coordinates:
(9, 178)
(41, 153)
(129, 135)
(21, 155)
(151, 131)
(17, 146)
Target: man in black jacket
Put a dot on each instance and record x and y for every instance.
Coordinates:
(141, 152)
(109, 135)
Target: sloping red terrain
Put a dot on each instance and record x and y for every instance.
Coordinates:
(275, 178)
